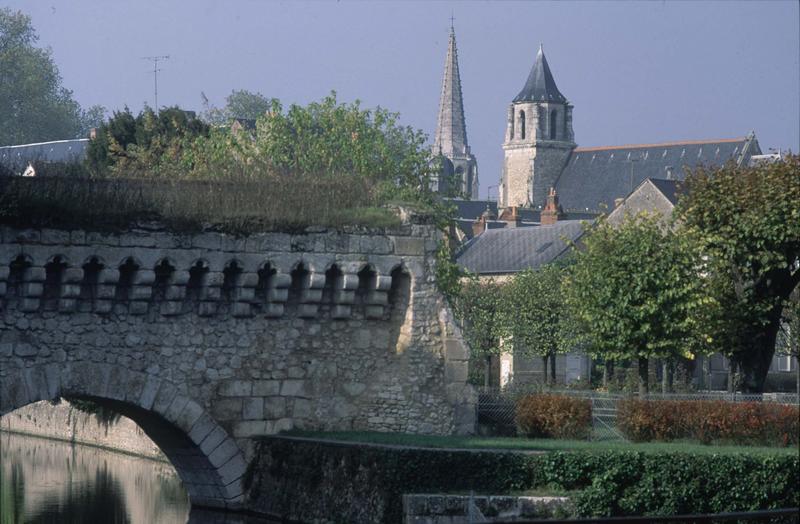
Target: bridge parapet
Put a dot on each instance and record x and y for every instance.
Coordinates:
(210, 340)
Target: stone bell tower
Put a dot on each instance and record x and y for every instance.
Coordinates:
(539, 139)
(450, 141)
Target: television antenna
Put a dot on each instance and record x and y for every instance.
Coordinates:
(156, 60)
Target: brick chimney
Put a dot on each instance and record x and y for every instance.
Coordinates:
(552, 211)
(479, 226)
(511, 216)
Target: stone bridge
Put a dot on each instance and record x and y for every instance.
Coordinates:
(209, 340)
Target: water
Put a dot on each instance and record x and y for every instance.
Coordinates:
(50, 482)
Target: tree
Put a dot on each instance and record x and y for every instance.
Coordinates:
(34, 106)
(635, 291)
(239, 104)
(789, 334)
(141, 145)
(479, 306)
(748, 223)
(535, 315)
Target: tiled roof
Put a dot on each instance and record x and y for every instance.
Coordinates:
(18, 157)
(510, 250)
(594, 177)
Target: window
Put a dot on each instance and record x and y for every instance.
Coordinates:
(522, 125)
(784, 363)
(553, 119)
(512, 126)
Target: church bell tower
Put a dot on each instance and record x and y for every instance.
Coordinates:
(539, 139)
(458, 169)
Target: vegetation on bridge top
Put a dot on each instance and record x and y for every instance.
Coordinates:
(326, 164)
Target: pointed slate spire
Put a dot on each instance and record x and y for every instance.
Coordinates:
(540, 86)
(451, 129)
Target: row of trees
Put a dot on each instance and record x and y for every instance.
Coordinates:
(718, 277)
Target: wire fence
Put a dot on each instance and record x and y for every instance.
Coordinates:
(496, 408)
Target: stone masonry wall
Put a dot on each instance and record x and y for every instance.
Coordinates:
(64, 422)
(285, 342)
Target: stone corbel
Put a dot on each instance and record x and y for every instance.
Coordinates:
(175, 293)
(277, 294)
(244, 295)
(310, 295)
(107, 281)
(4, 272)
(210, 293)
(70, 289)
(344, 295)
(377, 298)
(141, 291)
(32, 288)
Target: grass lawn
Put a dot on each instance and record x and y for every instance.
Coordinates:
(524, 444)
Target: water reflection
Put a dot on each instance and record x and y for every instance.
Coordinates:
(44, 481)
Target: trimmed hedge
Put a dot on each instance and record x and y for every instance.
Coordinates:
(708, 421)
(554, 416)
(306, 480)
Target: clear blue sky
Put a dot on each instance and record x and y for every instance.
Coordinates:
(636, 72)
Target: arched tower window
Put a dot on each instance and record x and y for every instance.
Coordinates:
(512, 126)
(553, 118)
(522, 125)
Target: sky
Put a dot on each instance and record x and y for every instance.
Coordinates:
(636, 72)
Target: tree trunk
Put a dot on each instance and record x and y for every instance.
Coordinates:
(666, 381)
(754, 363)
(487, 372)
(731, 375)
(553, 368)
(643, 378)
(707, 371)
(544, 369)
(608, 372)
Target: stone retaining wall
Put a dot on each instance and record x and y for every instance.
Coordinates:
(64, 422)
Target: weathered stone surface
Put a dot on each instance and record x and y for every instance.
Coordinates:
(246, 347)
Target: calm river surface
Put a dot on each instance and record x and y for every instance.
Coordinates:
(47, 481)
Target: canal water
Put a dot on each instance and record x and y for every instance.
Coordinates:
(45, 481)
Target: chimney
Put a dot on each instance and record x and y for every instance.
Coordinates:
(479, 226)
(618, 202)
(552, 211)
(511, 216)
(93, 133)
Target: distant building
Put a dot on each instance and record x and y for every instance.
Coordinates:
(23, 159)
(458, 168)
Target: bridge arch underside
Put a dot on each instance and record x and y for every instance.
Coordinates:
(208, 461)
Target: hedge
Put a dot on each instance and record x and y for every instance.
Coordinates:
(709, 421)
(306, 479)
(554, 416)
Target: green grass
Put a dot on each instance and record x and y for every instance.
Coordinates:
(524, 444)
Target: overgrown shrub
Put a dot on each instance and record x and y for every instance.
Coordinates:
(709, 421)
(554, 416)
(355, 483)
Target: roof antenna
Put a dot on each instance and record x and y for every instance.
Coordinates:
(155, 60)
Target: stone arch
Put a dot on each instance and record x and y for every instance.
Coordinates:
(208, 461)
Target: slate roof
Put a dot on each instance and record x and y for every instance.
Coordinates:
(540, 86)
(596, 176)
(671, 189)
(18, 157)
(510, 250)
(471, 209)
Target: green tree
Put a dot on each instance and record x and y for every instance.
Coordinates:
(34, 106)
(635, 292)
(536, 316)
(145, 145)
(789, 334)
(480, 309)
(748, 223)
(239, 104)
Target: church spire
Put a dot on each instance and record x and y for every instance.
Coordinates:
(451, 129)
(540, 86)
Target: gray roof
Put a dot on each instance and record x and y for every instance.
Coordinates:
(510, 250)
(671, 189)
(18, 157)
(594, 177)
(471, 209)
(540, 86)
